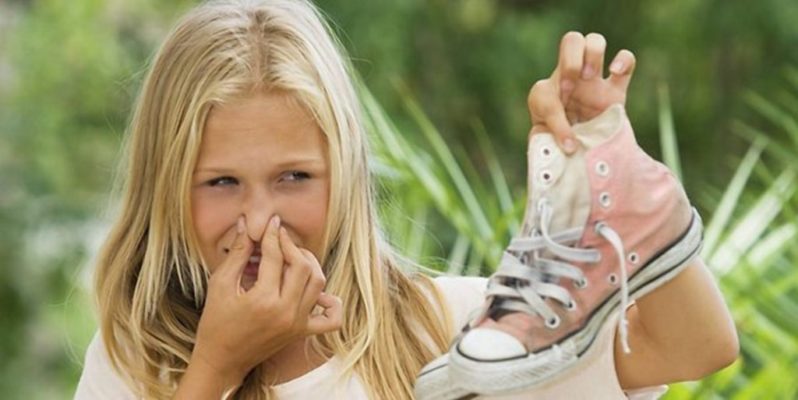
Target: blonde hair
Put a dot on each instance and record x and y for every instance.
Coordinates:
(151, 279)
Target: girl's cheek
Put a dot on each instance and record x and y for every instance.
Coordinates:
(213, 215)
(308, 215)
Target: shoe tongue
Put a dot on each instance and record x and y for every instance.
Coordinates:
(563, 179)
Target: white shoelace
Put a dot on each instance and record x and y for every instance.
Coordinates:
(543, 274)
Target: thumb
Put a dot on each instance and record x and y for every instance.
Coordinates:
(237, 254)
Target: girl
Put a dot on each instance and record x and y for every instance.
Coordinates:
(247, 258)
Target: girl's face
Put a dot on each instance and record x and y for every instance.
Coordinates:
(261, 156)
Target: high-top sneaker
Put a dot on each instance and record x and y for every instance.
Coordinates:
(603, 226)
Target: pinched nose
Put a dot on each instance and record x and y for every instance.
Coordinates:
(258, 207)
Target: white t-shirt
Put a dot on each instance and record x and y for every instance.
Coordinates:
(594, 378)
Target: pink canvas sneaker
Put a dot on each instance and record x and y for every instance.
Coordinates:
(603, 226)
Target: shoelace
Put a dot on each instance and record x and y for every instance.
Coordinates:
(543, 274)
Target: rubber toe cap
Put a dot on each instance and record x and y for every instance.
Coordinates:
(490, 345)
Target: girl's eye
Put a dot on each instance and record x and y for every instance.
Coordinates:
(296, 176)
(222, 181)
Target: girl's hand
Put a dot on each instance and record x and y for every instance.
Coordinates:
(240, 329)
(577, 90)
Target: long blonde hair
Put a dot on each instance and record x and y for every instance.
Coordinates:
(151, 279)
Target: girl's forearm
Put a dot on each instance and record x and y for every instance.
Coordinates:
(683, 331)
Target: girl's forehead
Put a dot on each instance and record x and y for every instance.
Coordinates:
(271, 108)
(269, 122)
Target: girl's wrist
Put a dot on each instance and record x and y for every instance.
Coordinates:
(218, 377)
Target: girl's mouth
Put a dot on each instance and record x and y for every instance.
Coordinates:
(253, 263)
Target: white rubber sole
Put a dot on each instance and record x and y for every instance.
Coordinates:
(434, 383)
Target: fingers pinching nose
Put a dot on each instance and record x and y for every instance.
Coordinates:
(272, 234)
(270, 241)
(241, 226)
(274, 224)
(241, 238)
(270, 270)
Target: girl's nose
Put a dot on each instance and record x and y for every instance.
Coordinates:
(257, 211)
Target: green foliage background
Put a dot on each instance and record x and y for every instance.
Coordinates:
(715, 95)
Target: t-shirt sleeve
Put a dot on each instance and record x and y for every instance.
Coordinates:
(99, 379)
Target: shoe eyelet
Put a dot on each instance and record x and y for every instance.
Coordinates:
(553, 322)
(545, 176)
(602, 168)
(633, 258)
(599, 226)
(571, 306)
(545, 151)
(604, 199)
(612, 279)
(581, 283)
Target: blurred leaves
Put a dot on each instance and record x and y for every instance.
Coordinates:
(69, 81)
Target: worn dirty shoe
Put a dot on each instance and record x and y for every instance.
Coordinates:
(603, 226)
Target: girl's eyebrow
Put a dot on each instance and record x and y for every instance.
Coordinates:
(214, 170)
(306, 161)
(312, 162)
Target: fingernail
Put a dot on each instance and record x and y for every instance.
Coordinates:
(240, 226)
(275, 222)
(588, 72)
(567, 86)
(569, 145)
(616, 67)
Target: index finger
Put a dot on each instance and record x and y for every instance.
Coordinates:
(297, 270)
(270, 269)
